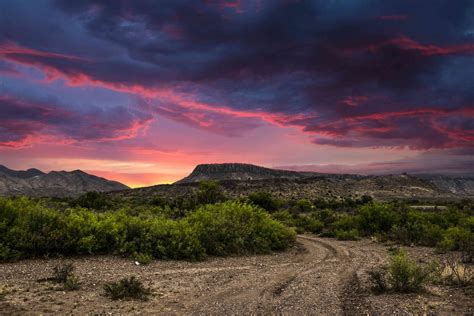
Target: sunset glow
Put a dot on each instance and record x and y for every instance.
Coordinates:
(142, 91)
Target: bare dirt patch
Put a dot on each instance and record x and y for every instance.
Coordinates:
(317, 276)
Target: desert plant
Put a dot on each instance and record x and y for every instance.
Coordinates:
(457, 273)
(62, 272)
(376, 218)
(265, 200)
(378, 278)
(143, 258)
(405, 275)
(237, 228)
(459, 238)
(341, 234)
(72, 283)
(304, 206)
(127, 289)
(93, 200)
(209, 193)
(309, 223)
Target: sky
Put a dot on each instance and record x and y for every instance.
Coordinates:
(142, 91)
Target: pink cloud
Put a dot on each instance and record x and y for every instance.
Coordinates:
(406, 43)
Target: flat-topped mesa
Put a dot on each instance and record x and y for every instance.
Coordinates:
(239, 171)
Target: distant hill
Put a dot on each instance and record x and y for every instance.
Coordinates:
(240, 171)
(239, 180)
(23, 174)
(459, 185)
(34, 182)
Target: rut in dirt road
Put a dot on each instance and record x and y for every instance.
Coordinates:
(316, 282)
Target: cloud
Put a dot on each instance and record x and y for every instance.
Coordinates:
(24, 121)
(348, 74)
(431, 162)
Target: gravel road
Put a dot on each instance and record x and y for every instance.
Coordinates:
(318, 276)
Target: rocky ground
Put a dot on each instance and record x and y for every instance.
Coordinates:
(318, 276)
(384, 188)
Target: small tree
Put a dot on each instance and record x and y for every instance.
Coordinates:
(265, 200)
(209, 193)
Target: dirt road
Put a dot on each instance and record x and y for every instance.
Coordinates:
(318, 276)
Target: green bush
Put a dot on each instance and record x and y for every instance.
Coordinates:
(233, 228)
(376, 218)
(143, 258)
(284, 217)
(209, 193)
(127, 289)
(304, 206)
(345, 223)
(28, 228)
(405, 275)
(264, 200)
(459, 238)
(94, 201)
(309, 224)
(352, 234)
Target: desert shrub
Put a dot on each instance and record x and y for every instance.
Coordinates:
(28, 228)
(457, 273)
(378, 280)
(233, 228)
(420, 233)
(63, 273)
(7, 254)
(365, 199)
(344, 228)
(420, 228)
(376, 218)
(264, 200)
(284, 217)
(352, 234)
(309, 224)
(345, 223)
(159, 201)
(72, 283)
(459, 238)
(127, 289)
(209, 193)
(405, 275)
(93, 200)
(143, 258)
(326, 216)
(304, 206)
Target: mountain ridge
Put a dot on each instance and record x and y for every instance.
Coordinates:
(34, 182)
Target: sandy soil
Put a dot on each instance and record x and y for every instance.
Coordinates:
(318, 276)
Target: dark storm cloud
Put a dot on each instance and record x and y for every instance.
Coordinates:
(364, 73)
(26, 120)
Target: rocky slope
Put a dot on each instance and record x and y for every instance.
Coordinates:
(240, 180)
(240, 171)
(455, 185)
(33, 182)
